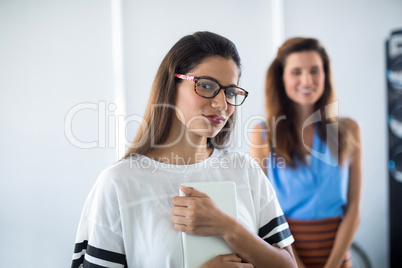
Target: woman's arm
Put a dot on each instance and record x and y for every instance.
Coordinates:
(299, 262)
(200, 216)
(348, 227)
(259, 149)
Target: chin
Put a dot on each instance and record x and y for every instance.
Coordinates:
(307, 101)
(208, 133)
(212, 134)
(213, 130)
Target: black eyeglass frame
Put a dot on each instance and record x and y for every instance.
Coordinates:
(195, 80)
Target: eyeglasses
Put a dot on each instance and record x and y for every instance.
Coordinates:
(208, 88)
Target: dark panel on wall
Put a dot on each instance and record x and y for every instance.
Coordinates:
(394, 83)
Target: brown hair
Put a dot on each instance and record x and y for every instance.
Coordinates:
(184, 56)
(286, 140)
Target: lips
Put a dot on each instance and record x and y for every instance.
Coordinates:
(215, 119)
(305, 90)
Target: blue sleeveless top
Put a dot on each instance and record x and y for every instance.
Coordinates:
(314, 191)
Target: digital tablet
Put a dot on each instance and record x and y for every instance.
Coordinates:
(198, 250)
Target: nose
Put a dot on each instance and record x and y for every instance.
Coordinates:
(306, 79)
(219, 101)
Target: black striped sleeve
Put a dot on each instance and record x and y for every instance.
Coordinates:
(88, 264)
(77, 262)
(278, 236)
(79, 247)
(79, 252)
(106, 255)
(98, 254)
(267, 228)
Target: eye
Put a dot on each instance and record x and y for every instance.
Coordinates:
(315, 71)
(231, 92)
(296, 72)
(206, 85)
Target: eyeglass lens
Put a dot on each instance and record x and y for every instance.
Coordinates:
(208, 88)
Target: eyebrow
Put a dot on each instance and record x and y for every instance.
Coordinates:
(312, 67)
(215, 80)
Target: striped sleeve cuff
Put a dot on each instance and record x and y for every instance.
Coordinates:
(93, 257)
(276, 232)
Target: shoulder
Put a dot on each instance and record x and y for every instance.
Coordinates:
(352, 127)
(258, 142)
(259, 134)
(232, 154)
(102, 201)
(117, 182)
(117, 169)
(111, 177)
(260, 126)
(247, 171)
(237, 159)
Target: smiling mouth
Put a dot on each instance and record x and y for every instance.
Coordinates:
(305, 90)
(215, 119)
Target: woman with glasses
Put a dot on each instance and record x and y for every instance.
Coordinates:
(133, 216)
(311, 156)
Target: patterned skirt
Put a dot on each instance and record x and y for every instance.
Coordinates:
(314, 241)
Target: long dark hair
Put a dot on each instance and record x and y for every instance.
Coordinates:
(184, 56)
(287, 143)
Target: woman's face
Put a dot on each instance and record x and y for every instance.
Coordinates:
(201, 116)
(304, 77)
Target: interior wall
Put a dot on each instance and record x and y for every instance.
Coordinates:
(57, 74)
(54, 55)
(150, 32)
(354, 34)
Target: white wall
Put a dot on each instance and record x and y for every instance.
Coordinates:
(54, 55)
(152, 27)
(354, 34)
(57, 54)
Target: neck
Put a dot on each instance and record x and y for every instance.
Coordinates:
(181, 148)
(306, 134)
(302, 113)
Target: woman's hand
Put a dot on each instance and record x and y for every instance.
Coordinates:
(229, 261)
(198, 214)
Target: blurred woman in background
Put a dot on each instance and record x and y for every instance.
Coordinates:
(311, 156)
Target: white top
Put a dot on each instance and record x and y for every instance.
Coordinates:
(126, 217)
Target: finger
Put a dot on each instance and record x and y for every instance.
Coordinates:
(180, 227)
(192, 191)
(179, 211)
(178, 220)
(180, 201)
(183, 201)
(230, 258)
